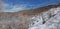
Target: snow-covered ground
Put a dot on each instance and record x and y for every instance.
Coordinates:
(46, 20)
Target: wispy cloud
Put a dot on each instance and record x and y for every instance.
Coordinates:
(5, 7)
(15, 8)
(1, 5)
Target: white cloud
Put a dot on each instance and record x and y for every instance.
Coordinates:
(5, 7)
(1, 5)
(15, 8)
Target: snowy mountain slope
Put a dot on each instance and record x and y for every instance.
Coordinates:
(46, 20)
(41, 18)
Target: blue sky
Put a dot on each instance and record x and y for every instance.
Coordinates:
(18, 5)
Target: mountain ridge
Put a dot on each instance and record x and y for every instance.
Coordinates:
(20, 18)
